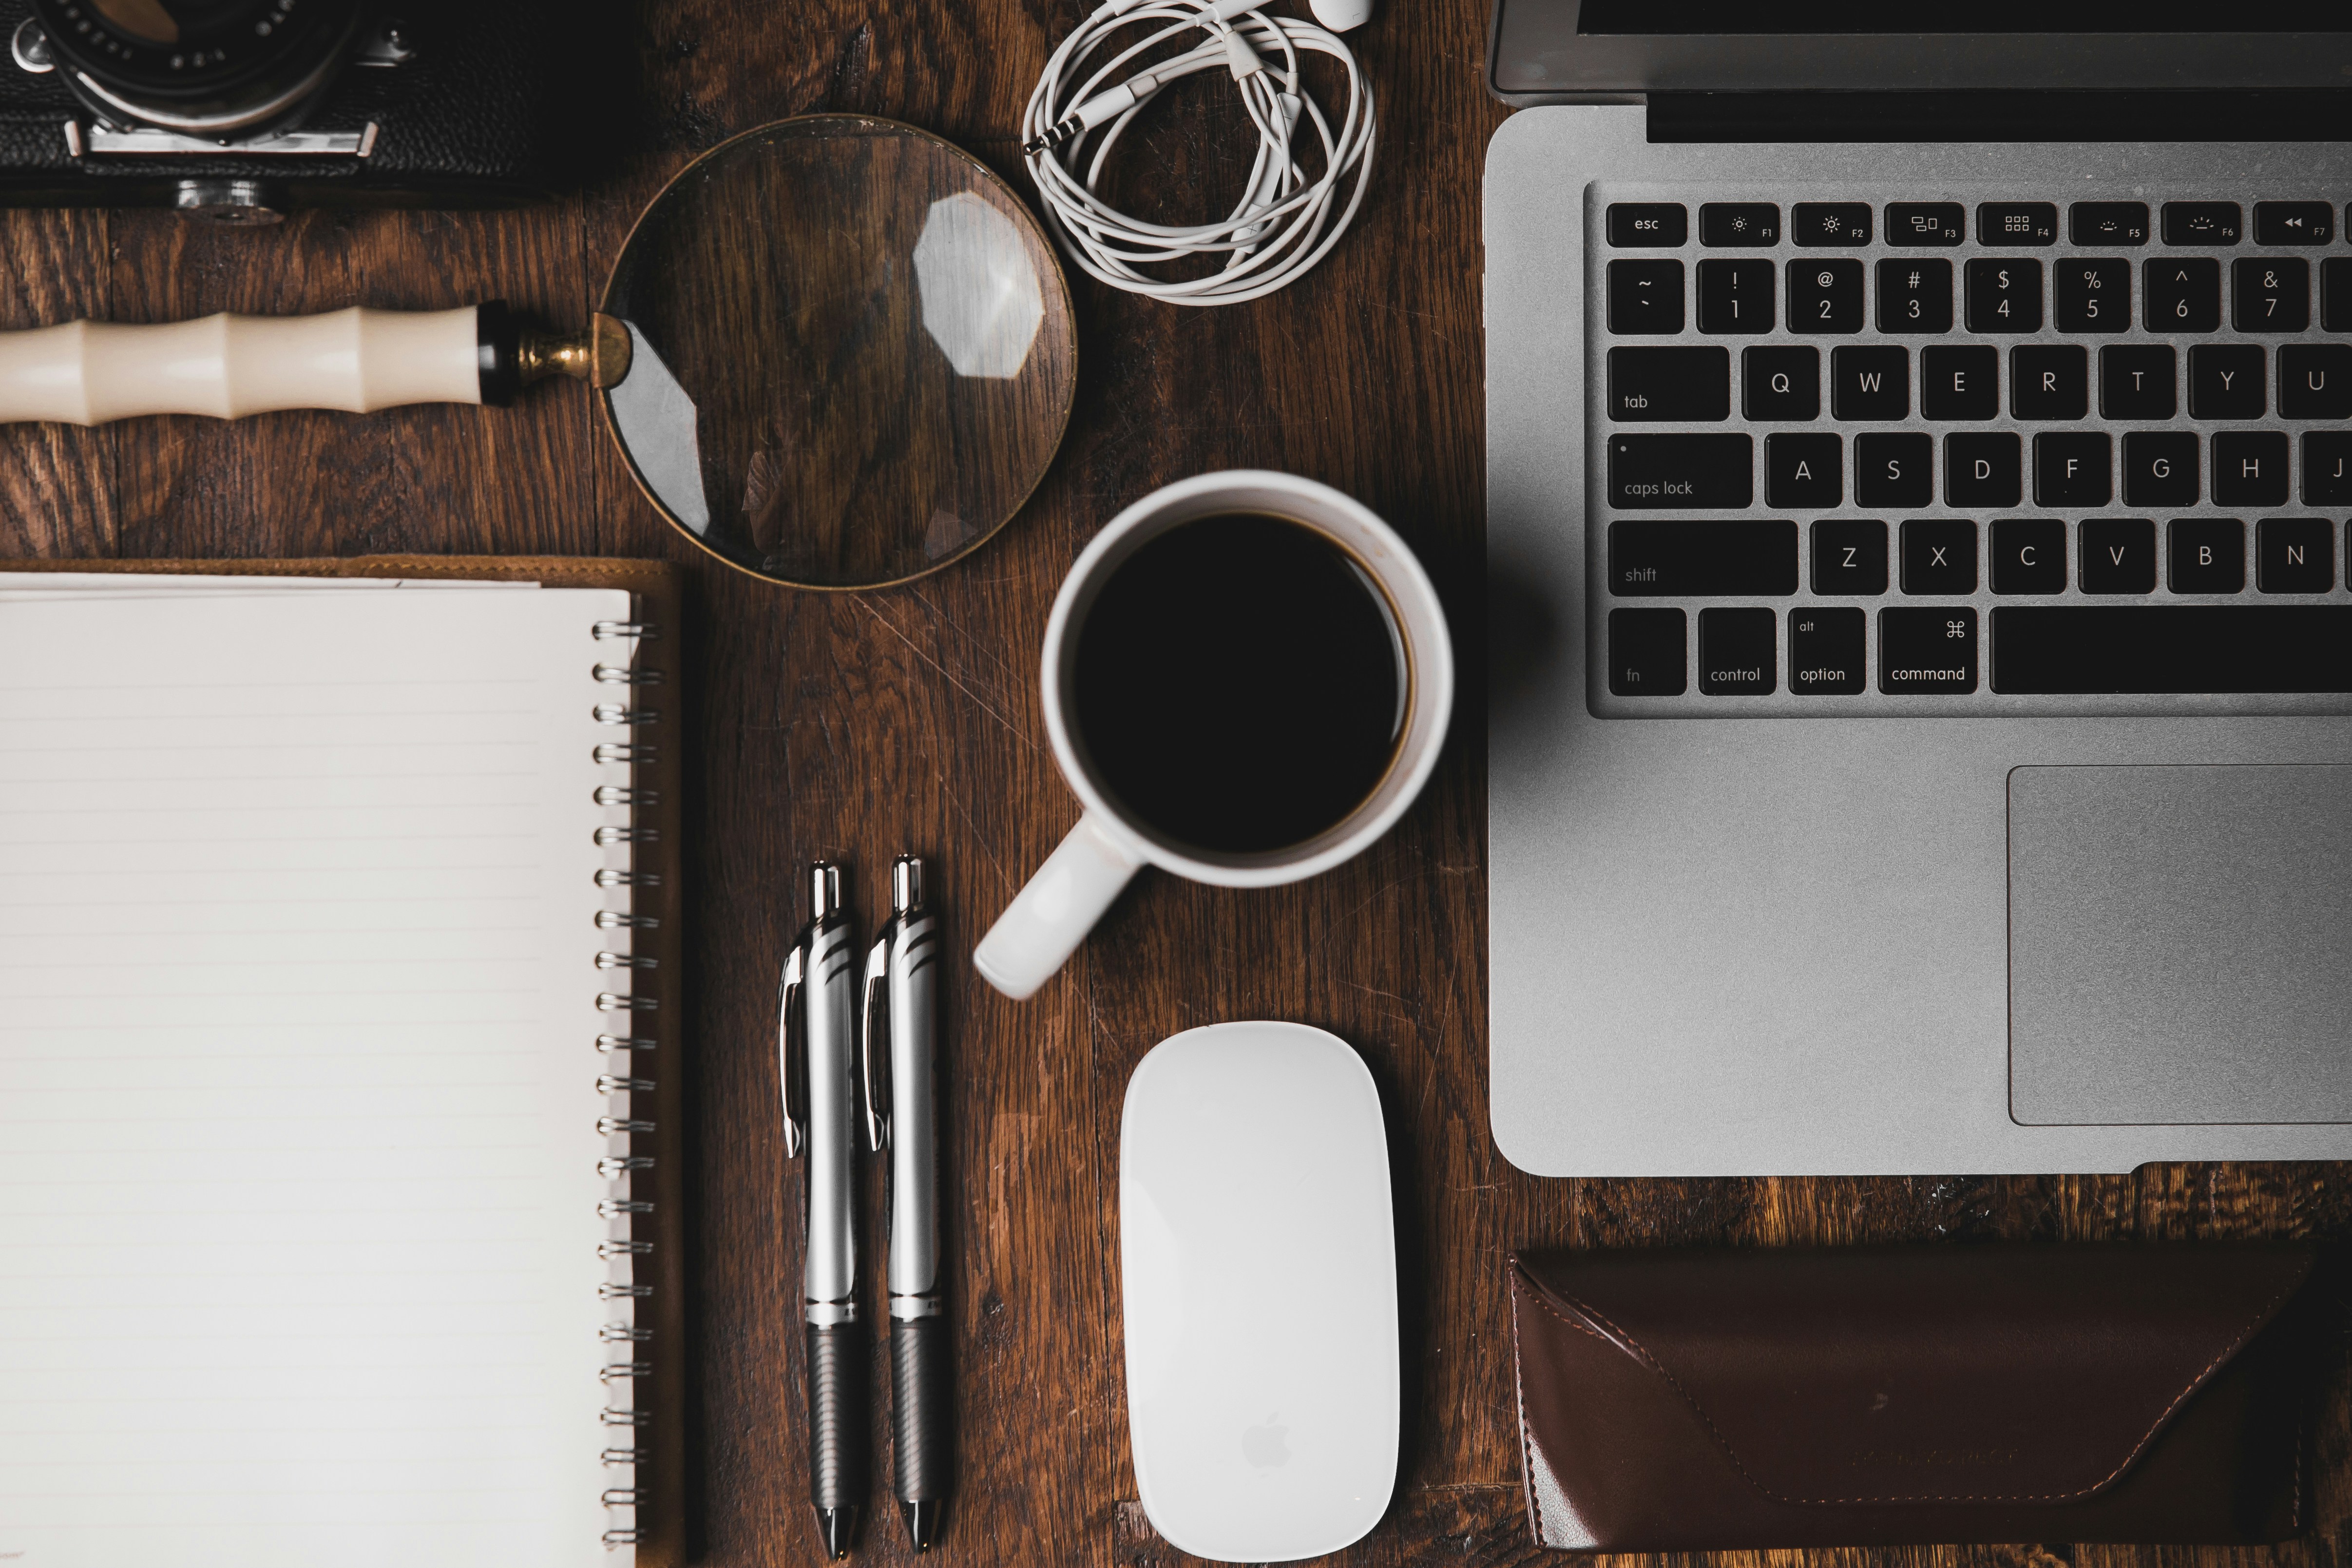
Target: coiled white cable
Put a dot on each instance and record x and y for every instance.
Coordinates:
(1283, 225)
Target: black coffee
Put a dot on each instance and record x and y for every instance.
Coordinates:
(1240, 684)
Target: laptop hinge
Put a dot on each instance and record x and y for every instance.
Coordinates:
(2277, 115)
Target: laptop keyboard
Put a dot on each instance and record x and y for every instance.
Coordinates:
(1992, 454)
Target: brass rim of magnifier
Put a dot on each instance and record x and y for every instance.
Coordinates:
(1061, 285)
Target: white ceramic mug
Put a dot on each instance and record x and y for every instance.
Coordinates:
(1052, 914)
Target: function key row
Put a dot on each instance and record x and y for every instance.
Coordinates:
(2073, 470)
(1937, 557)
(1928, 224)
(2037, 650)
(1964, 383)
(1998, 295)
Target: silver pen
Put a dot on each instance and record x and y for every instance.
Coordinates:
(816, 1038)
(902, 974)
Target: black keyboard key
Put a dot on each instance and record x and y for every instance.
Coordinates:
(1718, 558)
(2093, 295)
(2270, 294)
(2203, 223)
(2335, 295)
(2226, 382)
(1645, 298)
(1983, 470)
(1832, 223)
(2072, 470)
(1649, 654)
(2314, 380)
(1825, 296)
(1650, 472)
(1927, 650)
(2136, 382)
(1894, 470)
(2250, 468)
(2004, 295)
(1959, 383)
(1850, 557)
(1735, 296)
(2029, 555)
(2295, 555)
(1940, 556)
(1870, 383)
(1825, 652)
(2118, 555)
(2183, 294)
(1739, 653)
(2104, 224)
(1915, 224)
(1780, 383)
(2160, 468)
(2327, 467)
(2049, 381)
(2206, 555)
(2294, 222)
(1685, 385)
(1739, 222)
(1662, 224)
(2056, 650)
(1915, 296)
(2017, 223)
(1804, 472)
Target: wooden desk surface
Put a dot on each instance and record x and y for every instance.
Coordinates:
(855, 727)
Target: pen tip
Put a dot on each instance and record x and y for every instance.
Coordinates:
(922, 1522)
(837, 1523)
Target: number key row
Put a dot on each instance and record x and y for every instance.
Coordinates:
(2000, 295)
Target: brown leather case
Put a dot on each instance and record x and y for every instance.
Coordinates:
(1682, 1401)
(662, 1517)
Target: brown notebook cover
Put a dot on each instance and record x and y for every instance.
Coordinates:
(661, 1479)
(1686, 1401)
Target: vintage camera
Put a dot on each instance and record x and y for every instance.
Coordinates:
(239, 110)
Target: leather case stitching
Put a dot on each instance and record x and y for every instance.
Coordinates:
(1618, 1336)
(1526, 1434)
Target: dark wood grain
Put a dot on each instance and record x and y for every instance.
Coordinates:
(861, 725)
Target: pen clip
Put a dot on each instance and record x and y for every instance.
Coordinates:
(792, 1053)
(876, 1054)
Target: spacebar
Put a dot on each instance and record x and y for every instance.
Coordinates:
(2065, 649)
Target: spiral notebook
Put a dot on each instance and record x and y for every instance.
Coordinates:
(338, 922)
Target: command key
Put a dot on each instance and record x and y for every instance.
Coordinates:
(1927, 649)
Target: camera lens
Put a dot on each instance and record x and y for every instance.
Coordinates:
(206, 68)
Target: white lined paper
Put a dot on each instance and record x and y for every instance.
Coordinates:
(298, 1106)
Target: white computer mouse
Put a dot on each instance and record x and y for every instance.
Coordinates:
(1257, 1269)
(1341, 16)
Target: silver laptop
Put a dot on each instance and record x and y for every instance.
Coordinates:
(1918, 469)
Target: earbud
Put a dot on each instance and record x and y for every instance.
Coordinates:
(1341, 16)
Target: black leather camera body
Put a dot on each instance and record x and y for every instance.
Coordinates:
(239, 110)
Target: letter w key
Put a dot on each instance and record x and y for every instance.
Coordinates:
(2314, 380)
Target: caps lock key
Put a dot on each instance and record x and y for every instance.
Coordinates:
(1684, 472)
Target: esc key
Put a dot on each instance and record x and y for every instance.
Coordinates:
(1648, 224)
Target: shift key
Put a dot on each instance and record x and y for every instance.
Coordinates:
(1681, 472)
(1716, 557)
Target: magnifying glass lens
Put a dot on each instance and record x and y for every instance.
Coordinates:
(852, 352)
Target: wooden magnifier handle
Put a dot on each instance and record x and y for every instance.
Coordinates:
(89, 372)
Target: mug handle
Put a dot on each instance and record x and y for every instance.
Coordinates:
(1052, 914)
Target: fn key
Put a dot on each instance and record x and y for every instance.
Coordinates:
(1648, 653)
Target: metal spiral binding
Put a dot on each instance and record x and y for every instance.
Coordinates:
(618, 1209)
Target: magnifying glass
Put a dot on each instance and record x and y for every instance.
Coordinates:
(837, 351)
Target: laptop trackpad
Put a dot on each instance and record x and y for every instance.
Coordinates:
(2181, 945)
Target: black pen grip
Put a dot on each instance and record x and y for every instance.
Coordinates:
(836, 1375)
(919, 1457)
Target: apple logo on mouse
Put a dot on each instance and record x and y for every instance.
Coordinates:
(1267, 1443)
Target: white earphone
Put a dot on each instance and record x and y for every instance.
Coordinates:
(1284, 223)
